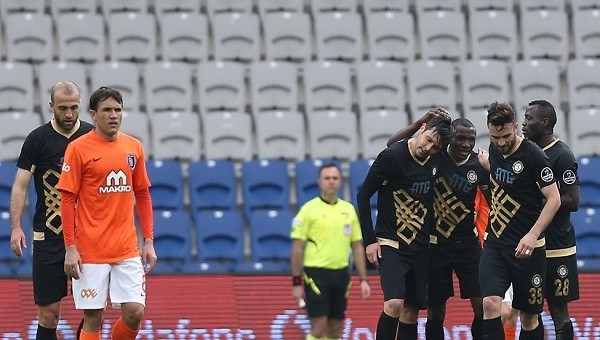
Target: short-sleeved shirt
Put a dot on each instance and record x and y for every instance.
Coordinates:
(104, 175)
(404, 201)
(455, 192)
(560, 234)
(42, 154)
(516, 197)
(329, 231)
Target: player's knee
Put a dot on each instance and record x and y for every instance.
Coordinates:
(133, 314)
(48, 317)
(528, 321)
(491, 306)
(393, 307)
(437, 312)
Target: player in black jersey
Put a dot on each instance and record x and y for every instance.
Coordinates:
(403, 175)
(41, 158)
(562, 283)
(454, 243)
(514, 251)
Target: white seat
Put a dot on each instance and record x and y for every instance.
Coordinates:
(110, 7)
(422, 6)
(586, 33)
(443, 35)
(494, 35)
(391, 36)
(333, 134)
(14, 129)
(274, 87)
(288, 37)
(376, 127)
(541, 5)
(430, 84)
(215, 7)
(176, 135)
(585, 136)
(327, 86)
(10, 7)
(585, 5)
(81, 37)
(16, 87)
(278, 6)
(168, 87)
(228, 135)
(53, 72)
(560, 128)
(339, 36)
(582, 81)
(483, 81)
(545, 35)
(376, 6)
(323, 6)
(535, 79)
(60, 7)
(489, 5)
(137, 124)
(280, 134)
(190, 7)
(236, 37)
(29, 38)
(380, 87)
(221, 87)
(132, 37)
(184, 37)
(123, 76)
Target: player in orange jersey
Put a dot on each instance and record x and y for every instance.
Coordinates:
(103, 175)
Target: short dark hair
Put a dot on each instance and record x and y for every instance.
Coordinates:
(500, 114)
(328, 165)
(102, 94)
(442, 125)
(462, 122)
(545, 110)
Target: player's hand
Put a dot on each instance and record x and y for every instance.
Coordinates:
(149, 257)
(18, 241)
(526, 246)
(365, 289)
(438, 111)
(373, 252)
(298, 293)
(73, 264)
(484, 158)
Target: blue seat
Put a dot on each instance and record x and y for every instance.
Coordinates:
(589, 181)
(588, 252)
(212, 185)
(173, 242)
(220, 240)
(358, 171)
(586, 220)
(266, 185)
(167, 184)
(270, 237)
(8, 169)
(307, 173)
(10, 264)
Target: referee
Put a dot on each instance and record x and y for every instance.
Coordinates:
(323, 232)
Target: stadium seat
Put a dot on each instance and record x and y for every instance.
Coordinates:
(132, 37)
(535, 79)
(489, 5)
(15, 127)
(81, 38)
(338, 36)
(274, 87)
(166, 178)
(212, 185)
(216, 7)
(228, 135)
(184, 37)
(10, 264)
(358, 172)
(29, 38)
(177, 7)
(220, 240)
(137, 124)
(168, 87)
(586, 25)
(110, 7)
(560, 128)
(333, 134)
(270, 238)
(585, 5)
(327, 87)
(51, 73)
(589, 182)
(380, 87)
(221, 87)
(173, 242)
(307, 173)
(60, 7)
(545, 35)
(430, 84)
(16, 87)
(582, 82)
(12, 7)
(494, 35)
(123, 76)
(391, 36)
(443, 35)
(325, 6)
(288, 37)
(541, 5)
(265, 185)
(585, 137)
(280, 134)
(483, 81)
(585, 221)
(376, 6)
(422, 6)
(376, 127)
(8, 169)
(266, 7)
(236, 37)
(176, 135)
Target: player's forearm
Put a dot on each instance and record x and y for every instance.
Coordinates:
(67, 215)
(144, 208)
(546, 215)
(17, 206)
(359, 259)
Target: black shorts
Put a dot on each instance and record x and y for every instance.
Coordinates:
(326, 292)
(49, 280)
(459, 257)
(404, 276)
(562, 281)
(499, 267)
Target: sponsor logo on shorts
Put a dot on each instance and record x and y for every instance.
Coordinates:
(88, 293)
(536, 280)
(562, 271)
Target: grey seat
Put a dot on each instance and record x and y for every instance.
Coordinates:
(582, 81)
(339, 36)
(324, 6)
(132, 37)
(168, 87)
(391, 36)
(585, 136)
(228, 135)
(430, 84)
(423, 6)
(137, 124)
(327, 87)
(333, 134)
(535, 79)
(110, 7)
(280, 134)
(483, 81)
(489, 5)
(494, 35)
(288, 37)
(216, 7)
(221, 87)
(16, 87)
(586, 34)
(278, 6)
(81, 38)
(14, 129)
(190, 7)
(443, 35)
(541, 5)
(60, 7)
(236, 37)
(184, 37)
(123, 76)
(10, 7)
(274, 87)
(378, 6)
(545, 35)
(29, 38)
(175, 135)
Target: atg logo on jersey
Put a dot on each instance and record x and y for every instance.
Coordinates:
(115, 182)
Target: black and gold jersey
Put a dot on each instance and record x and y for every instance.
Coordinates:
(42, 154)
(516, 197)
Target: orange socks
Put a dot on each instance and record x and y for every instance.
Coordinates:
(122, 332)
(509, 332)
(89, 336)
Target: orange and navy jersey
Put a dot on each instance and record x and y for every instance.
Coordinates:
(104, 176)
